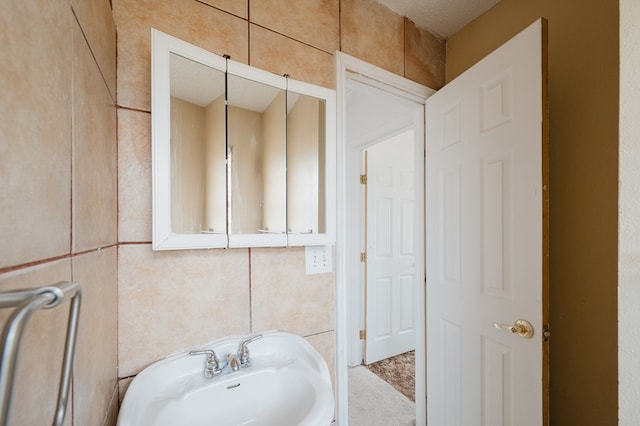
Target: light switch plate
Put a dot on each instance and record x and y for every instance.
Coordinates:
(318, 259)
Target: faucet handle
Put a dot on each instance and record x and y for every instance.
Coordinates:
(211, 365)
(243, 350)
(211, 354)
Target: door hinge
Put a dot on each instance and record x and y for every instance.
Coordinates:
(363, 257)
(546, 334)
(363, 179)
(363, 334)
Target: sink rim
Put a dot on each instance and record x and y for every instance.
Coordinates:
(268, 353)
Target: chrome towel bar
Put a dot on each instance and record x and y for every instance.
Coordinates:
(26, 303)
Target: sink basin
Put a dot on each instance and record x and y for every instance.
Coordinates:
(288, 383)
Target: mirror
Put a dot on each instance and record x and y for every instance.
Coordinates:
(241, 157)
(305, 164)
(256, 128)
(310, 164)
(198, 147)
(188, 145)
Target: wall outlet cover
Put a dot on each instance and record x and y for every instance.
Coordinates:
(318, 259)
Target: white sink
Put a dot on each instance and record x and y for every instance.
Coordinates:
(288, 383)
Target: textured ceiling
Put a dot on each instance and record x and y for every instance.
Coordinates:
(443, 17)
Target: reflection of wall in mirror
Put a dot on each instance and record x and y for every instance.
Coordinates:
(187, 166)
(274, 167)
(305, 162)
(215, 207)
(246, 141)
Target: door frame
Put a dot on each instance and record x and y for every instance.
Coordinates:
(348, 266)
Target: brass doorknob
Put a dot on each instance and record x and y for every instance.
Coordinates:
(521, 327)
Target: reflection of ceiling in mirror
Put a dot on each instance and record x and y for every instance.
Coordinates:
(194, 82)
(250, 95)
(292, 98)
(369, 108)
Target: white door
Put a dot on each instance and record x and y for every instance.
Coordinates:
(485, 196)
(390, 265)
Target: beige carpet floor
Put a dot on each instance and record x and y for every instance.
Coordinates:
(399, 371)
(374, 402)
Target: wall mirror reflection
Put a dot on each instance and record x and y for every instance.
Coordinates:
(256, 126)
(305, 163)
(310, 163)
(198, 148)
(241, 157)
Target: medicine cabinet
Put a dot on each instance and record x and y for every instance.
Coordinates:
(241, 157)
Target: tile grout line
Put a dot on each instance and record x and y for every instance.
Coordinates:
(340, 25)
(219, 9)
(404, 47)
(72, 135)
(26, 265)
(117, 165)
(271, 30)
(132, 109)
(250, 294)
(95, 59)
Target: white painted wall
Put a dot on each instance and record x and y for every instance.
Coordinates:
(303, 165)
(274, 167)
(215, 169)
(246, 139)
(629, 216)
(187, 166)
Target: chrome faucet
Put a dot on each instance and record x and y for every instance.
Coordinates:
(232, 362)
(243, 350)
(211, 364)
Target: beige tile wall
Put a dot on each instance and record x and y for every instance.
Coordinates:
(172, 300)
(282, 55)
(93, 153)
(59, 205)
(284, 297)
(311, 22)
(96, 358)
(373, 33)
(60, 177)
(189, 20)
(35, 124)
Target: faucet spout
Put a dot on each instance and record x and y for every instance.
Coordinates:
(232, 362)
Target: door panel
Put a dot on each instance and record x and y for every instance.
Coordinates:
(390, 267)
(484, 255)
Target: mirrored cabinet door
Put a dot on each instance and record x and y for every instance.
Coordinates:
(189, 146)
(256, 128)
(198, 148)
(310, 164)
